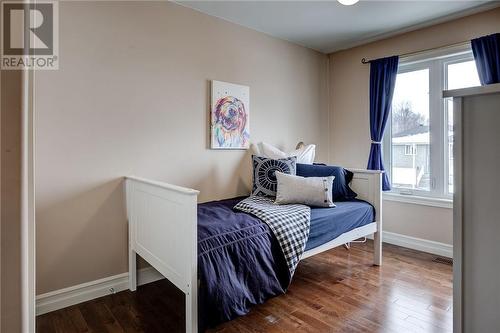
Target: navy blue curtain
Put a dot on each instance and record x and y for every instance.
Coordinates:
(487, 56)
(383, 74)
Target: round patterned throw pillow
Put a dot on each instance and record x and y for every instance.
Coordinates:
(264, 178)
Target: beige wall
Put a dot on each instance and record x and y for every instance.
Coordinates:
(131, 97)
(10, 249)
(349, 112)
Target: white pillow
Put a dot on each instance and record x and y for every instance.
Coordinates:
(311, 191)
(256, 149)
(304, 155)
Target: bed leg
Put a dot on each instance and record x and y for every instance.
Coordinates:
(192, 310)
(132, 271)
(377, 248)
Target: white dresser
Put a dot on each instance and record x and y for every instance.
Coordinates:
(476, 240)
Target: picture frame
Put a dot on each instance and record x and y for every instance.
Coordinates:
(229, 116)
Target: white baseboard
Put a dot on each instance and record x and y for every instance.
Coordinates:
(147, 275)
(419, 244)
(62, 298)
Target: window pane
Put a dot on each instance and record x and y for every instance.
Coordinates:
(449, 144)
(459, 75)
(462, 75)
(410, 158)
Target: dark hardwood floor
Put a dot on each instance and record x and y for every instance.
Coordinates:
(336, 291)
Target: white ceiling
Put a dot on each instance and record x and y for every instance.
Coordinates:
(328, 26)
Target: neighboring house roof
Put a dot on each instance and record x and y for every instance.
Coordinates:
(412, 131)
(421, 138)
(416, 135)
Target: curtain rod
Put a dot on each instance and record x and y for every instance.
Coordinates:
(404, 55)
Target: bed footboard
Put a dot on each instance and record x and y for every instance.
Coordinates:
(163, 230)
(368, 185)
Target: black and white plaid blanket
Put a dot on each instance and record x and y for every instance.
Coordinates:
(289, 223)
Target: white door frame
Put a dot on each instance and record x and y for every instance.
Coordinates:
(28, 256)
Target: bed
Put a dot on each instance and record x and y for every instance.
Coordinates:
(178, 237)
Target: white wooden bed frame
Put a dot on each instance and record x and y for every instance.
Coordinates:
(163, 230)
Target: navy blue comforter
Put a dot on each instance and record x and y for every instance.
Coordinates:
(240, 263)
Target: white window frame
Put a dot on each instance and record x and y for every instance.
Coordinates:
(437, 62)
(446, 62)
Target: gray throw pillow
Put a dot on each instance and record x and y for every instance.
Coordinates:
(311, 191)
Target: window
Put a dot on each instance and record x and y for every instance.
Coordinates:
(411, 150)
(418, 142)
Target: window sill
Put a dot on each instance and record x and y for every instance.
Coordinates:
(418, 200)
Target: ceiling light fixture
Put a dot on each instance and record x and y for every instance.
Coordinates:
(348, 2)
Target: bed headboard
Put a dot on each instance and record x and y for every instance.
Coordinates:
(368, 185)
